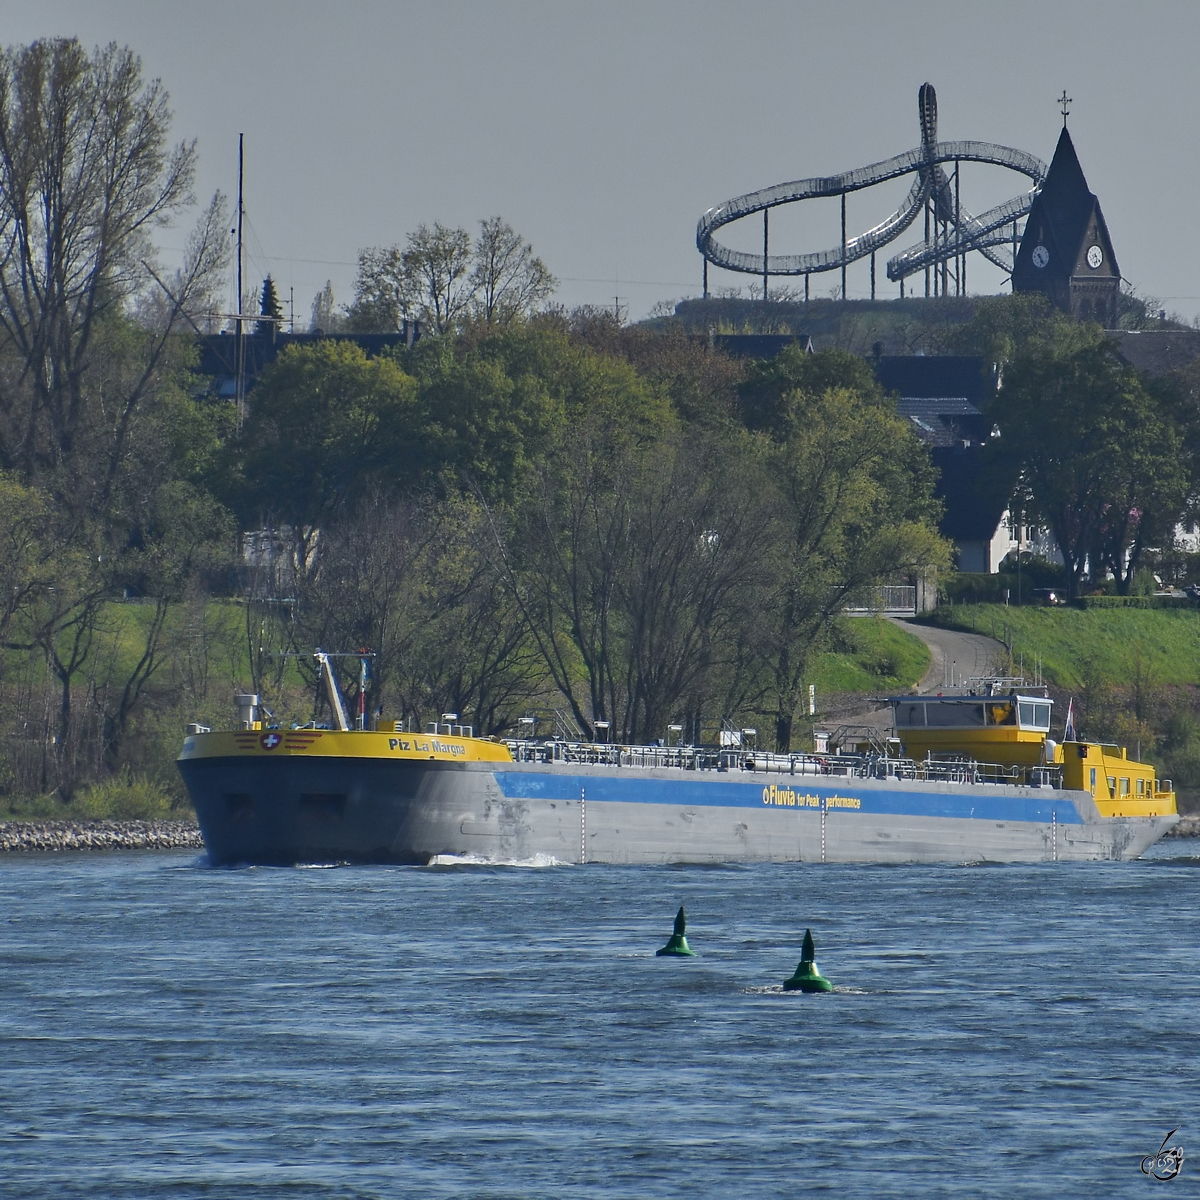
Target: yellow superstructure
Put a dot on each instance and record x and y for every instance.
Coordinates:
(1013, 730)
(1120, 786)
(282, 743)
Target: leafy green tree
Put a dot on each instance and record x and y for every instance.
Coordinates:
(1002, 327)
(767, 395)
(1099, 458)
(852, 507)
(327, 426)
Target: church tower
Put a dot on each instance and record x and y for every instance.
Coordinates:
(1066, 253)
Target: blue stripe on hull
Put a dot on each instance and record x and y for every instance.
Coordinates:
(530, 785)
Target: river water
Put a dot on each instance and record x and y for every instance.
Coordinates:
(462, 1030)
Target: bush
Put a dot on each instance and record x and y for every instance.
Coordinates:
(128, 798)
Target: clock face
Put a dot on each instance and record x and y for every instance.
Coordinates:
(1095, 256)
(1041, 256)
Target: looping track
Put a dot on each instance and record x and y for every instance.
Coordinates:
(989, 233)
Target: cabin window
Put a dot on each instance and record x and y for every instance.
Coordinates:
(910, 715)
(1124, 787)
(1002, 714)
(1035, 716)
(1093, 781)
(955, 716)
(1141, 787)
(1112, 787)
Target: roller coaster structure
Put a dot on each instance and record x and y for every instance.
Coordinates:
(951, 232)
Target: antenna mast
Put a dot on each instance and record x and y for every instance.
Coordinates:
(240, 348)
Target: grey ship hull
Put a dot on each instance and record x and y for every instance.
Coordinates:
(290, 810)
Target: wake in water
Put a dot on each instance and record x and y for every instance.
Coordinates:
(777, 989)
(478, 860)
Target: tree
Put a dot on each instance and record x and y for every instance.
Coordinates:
(89, 353)
(269, 306)
(510, 282)
(851, 504)
(327, 424)
(324, 314)
(86, 175)
(1099, 458)
(628, 562)
(382, 291)
(409, 579)
(437, 275)
(768, 393)
(440, 278)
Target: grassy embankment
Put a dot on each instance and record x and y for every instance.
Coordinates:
(1134, 675)
(1073, 644)
(870, 655)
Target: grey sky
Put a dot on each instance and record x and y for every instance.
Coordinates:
(603, 131)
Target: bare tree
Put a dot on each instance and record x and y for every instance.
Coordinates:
(324, 317)
(631, 571)
(510, 280)
(86, 175)
(437, 275)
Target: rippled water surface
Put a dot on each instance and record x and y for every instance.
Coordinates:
(174, 1031)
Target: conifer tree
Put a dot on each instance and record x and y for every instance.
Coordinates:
(269, 306)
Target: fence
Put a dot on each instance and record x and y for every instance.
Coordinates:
(893, 600)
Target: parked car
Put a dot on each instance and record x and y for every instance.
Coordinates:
(1047, 596)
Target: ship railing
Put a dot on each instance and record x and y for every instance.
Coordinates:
(850, 766)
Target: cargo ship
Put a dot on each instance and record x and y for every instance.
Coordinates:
(960, 778)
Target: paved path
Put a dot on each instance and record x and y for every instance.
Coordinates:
(957, 657)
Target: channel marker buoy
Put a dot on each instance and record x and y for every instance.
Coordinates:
(677, 944)
(807, 978)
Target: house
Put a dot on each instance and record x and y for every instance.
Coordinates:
(218, 352)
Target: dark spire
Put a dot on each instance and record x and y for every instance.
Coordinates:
(1066, 252)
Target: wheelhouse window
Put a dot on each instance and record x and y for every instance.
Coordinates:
(1034, 716)
(954, 716)
(910, 715)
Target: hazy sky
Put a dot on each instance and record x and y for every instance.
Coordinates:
(602, 131)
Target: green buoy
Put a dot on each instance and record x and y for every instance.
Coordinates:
(677, 946)
(807, 978)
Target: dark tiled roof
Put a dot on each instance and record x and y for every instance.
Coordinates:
(758, 345)
(962, 376)
(974, 498)
(1156, 351)
(941, 406)
(944, 421)
(218, 352)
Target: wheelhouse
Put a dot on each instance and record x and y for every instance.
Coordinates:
(1029, 713)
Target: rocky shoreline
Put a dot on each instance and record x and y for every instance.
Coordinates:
(99, 835)
(1189, 826)
(183, 835)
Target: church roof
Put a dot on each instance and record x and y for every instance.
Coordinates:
(1064, 213)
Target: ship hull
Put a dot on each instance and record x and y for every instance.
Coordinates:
(329, 809)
